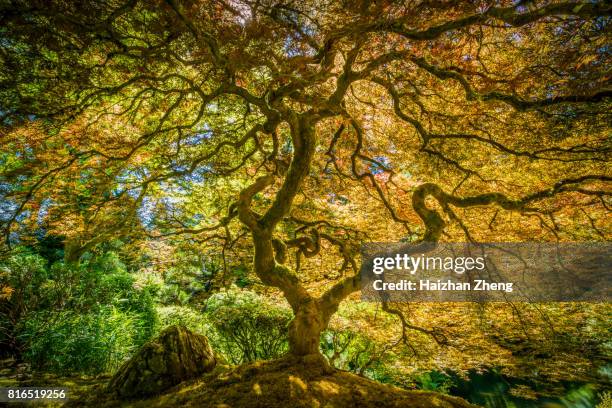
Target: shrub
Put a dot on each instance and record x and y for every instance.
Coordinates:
(72, 318)
(247, 327)
(182, 315)
(140, 304)
(102, 279)
(352, 351)
(90, 343)
(434, 381)
(22, 290)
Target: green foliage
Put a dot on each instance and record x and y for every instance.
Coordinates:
(89, 317)
(22, 289)
(434, 381)
(247, 327)
(21, 275)
(241, 274)
(73, 318)
(241, 325)
(186, 316)
(90, 343)
(605, 400)
(356, 352)
(100, 280)
(173, 294)
(492, 389)
(141, 305)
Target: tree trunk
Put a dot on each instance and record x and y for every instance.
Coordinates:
(269, 262)
(72, 252)
(305, 330)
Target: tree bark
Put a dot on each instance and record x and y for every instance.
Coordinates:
(305, 329)
(309, 320)
(73, 250)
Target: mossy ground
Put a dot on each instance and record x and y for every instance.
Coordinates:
(79, 387)
(277, 384)
(282, 383)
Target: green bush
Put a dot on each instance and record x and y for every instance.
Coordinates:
(23, 289)
(173, 294)
(434, 381)
(90, 343)
(247, 327)
(186, 316)
(141, 305)
(102, 279)
(353, 351)
(72, 318)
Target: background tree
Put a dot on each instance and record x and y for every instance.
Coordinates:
(300, 129)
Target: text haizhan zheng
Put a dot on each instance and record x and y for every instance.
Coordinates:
(412, 264)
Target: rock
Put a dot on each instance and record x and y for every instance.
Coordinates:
(174, 356)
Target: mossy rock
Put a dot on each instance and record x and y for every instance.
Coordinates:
(176, 355)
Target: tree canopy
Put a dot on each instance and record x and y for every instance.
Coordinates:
(294, 131)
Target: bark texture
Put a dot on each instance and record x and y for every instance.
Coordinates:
(305, 329)
(175, 356)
